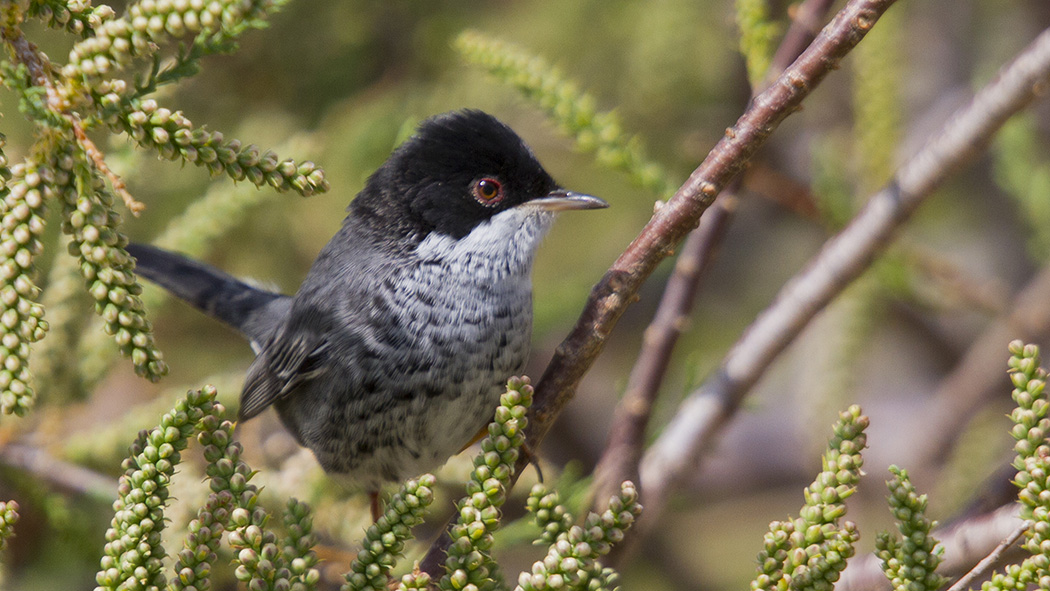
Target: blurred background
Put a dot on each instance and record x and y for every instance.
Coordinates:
(342, 82)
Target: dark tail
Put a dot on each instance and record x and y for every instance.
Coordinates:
(252, 311)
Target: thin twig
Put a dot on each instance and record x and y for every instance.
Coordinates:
(965, 543)
(622, 453)
(991, 559)
(670, 224)
(39, 72)
(702, 415)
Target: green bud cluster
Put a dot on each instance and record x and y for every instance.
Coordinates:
(263, 561)
(551, 516)
(385, 540)
(909, 561)
(574, 111)
(298, 546)
(173, 136)
(133, 552)
(414, 581)
(108, 270)
(76, 16)
(8, 518)
(191, 233)
(25, 191)
(149, 24)
(1031, 427)
(1030, 430)
(227, 477)
(572, 556)
(809, 552)
(468, 564)
(194, 562)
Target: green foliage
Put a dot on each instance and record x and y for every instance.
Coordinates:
(572, 110)
(810, 551)
(909, 561)
(876, 102)
(65, 168)
(758, 35)
(1023, 173)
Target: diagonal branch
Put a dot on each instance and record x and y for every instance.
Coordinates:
(842, 259)
(623, 451)
(670, 224)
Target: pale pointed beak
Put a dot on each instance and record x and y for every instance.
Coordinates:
(562, 200)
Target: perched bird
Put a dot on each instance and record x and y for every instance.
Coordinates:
(394, 351)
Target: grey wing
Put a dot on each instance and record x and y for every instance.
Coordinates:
(298, 352)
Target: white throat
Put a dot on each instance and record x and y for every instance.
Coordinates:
(503, 245)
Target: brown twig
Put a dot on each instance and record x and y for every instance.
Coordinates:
(842, 259)
(805, 24)
(39, 73)
(622, 453)
(991, 559)
(670, 224)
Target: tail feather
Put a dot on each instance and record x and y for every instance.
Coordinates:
(252, 311)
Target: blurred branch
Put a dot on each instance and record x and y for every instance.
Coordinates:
(844, 258)
(965, 544)
(623, 451)
(670, 223)
(977, 379)
(619, 287)
(65, 475)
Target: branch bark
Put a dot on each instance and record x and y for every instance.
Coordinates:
(842, 259)
(623, 451)
(670, 224)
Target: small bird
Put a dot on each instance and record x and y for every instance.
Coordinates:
(394, 351)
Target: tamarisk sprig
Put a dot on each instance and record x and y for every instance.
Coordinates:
(810, 551)
(910, 561)
(24, 190)
(109, 271)
(8, 518)
(573, 553)
(133, 552)
(385, 540)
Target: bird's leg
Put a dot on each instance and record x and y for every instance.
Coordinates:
(533, 459)
(377, 507)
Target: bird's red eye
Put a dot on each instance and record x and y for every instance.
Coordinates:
(487, 191)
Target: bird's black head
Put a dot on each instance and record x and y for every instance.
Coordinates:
(458, 170)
